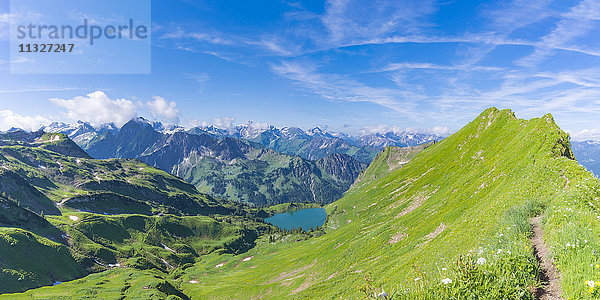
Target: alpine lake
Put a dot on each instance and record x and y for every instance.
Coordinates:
(304, 218)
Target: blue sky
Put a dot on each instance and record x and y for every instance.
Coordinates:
(352, 66)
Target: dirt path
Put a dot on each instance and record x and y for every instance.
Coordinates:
(549, 275)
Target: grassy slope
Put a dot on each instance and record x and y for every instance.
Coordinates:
(34, 178)
(114, 284)
(450, 199)
(96, 243)
(458, 188)
(28, 260)
(388, 160)
(164, 243)
(60, 177)
(572, 231)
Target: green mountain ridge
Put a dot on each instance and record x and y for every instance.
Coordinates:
(388, 160)
(56, 142)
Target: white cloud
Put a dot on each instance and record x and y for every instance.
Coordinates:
(161, 108)
(580, 20)
(339, 88)
(586, 134)
(405, 66)
(224, 122)
(275, 47)
(519, 13)
(440, 130)
(214, 37)
(210, 38)
(4, 25)
(16, 16)
(10, 119)
(257, 126)
(383, 128)
(350, 21)
(200, 78)
(97, 108)
(36, 89)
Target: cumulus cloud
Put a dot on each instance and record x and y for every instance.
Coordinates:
(442, 130)
(224, 122)
(10, 119)
(97, 108)
(437, 130)
(161, 108)
(382, 128)
(586, 134)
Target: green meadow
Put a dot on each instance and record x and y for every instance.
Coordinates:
(453, 223)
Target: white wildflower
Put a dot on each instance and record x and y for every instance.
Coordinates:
(382, 295)
(590, 283)
(481, 261)
(446, 280)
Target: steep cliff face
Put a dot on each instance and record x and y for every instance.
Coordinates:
(171, 149)
(265, 177)
(341, 167)
(134, 138)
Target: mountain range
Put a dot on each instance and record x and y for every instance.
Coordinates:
(225, 166)
(453, 219)
(588, 154)
(310, 144)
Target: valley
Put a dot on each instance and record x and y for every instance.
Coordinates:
(433, 221)
(65, 215)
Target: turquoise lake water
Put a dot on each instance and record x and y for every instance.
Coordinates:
(305, 218)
